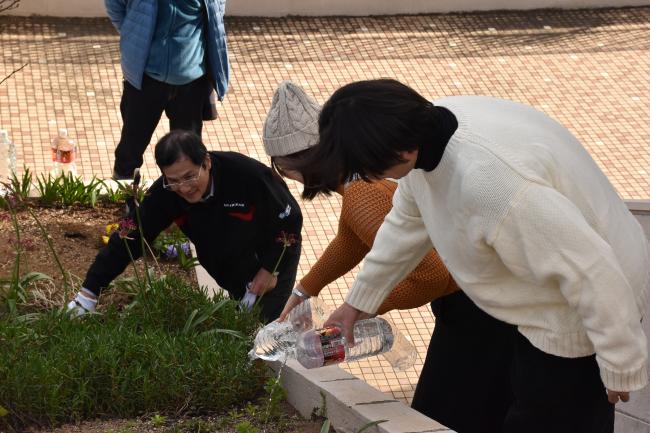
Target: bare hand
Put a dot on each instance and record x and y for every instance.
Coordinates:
(614, 396)
(344, 316)
(263, 282)
(363, 315)
(292, 303)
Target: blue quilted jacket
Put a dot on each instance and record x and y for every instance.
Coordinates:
(135, 20)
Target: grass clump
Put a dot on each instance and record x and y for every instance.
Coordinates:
(172, 351)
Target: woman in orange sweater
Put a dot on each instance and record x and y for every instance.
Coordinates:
(363, 210)
(465, 340)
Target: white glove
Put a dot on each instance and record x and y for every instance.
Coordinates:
(249, 298)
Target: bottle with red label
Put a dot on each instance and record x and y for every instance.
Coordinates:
(326, 346)
(64, 154)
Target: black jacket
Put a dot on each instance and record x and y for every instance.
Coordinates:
(235, 231)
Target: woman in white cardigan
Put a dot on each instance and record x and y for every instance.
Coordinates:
(526, 223)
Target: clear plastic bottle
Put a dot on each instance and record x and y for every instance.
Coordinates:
(274, 342)
(277, 340)
(64, 154)
(54, 147)
(7, 148)
(403, 354)
(327, 346)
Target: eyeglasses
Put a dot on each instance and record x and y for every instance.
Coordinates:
(185, 182)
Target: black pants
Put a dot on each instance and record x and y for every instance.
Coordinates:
(141, 111)
(554, 394)
(482, 375)
(464, 382)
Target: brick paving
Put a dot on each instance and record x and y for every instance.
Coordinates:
(587, 68)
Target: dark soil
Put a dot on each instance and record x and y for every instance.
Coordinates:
(76, 236)
(291, 423)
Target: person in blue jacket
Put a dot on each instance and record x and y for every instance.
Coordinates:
(174, 56)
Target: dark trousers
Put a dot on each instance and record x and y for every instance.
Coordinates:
(141, 111)
(554, 394)
(464, 382)
(482, 375)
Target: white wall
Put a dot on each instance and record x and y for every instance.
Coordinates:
(60, 8)
(388, 7)
(95, 8)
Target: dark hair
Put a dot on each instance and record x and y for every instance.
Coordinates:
(178, 143)
(363, 127)
(292, 161)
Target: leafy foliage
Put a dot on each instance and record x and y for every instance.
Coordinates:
(170, 352)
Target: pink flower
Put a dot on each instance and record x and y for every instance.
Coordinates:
(127, 225)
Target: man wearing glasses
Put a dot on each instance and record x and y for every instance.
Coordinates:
(238, 214)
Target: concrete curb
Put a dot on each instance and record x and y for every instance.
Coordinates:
(348, 402)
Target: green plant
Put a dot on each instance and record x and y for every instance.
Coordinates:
(158, 420)
(246, 427)
(277, 394)
(186, 261)
(147, 358)
(196, 425)
(18, 188)
(13, 290)
(112, 195)
(123, 190)
(48, 189)
(73, 190)
(326, 427)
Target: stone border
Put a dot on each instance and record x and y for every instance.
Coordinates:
(348, 402)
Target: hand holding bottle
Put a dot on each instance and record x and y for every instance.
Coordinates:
(344, 316)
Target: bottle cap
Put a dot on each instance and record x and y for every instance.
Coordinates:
(63, 132)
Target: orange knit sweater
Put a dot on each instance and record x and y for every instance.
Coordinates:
(364, 207)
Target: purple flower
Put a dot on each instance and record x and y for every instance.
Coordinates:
(171, 251)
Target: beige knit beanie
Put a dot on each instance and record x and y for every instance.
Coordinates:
(292, 121)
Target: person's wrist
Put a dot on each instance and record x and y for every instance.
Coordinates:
(299, 293)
